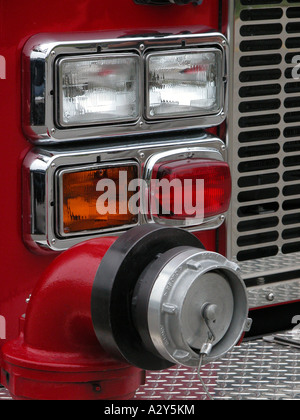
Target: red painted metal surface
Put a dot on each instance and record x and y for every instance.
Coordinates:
(20, 269)
(57, 355)
(208, 239)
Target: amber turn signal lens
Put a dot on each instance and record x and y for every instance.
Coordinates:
(83, 207)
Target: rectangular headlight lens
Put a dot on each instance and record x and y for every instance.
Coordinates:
(184, 83)
(98, 90)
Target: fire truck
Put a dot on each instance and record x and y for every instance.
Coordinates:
(112, 113)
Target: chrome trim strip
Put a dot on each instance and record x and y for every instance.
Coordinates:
(230, 123)
(39, 59)
(39, 172)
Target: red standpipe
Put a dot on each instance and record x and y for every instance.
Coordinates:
(57, 355)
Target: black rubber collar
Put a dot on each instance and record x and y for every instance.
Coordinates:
(113, 291)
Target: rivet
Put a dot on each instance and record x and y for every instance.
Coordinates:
(97, 388)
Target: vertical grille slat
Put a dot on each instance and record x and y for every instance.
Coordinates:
(265, 134)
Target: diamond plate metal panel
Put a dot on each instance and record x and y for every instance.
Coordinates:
(273, 265)
(4, 394)
(286, 291)
(256, 370)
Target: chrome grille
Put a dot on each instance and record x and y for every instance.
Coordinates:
(264, 137)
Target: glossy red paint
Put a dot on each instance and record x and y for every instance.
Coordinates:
(57, 355)
(208, 239)
(19, 21)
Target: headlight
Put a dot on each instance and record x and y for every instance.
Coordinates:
(184, 83)
(99, 90)
(93, 88)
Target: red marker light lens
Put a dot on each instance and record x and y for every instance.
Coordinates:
(212, 176)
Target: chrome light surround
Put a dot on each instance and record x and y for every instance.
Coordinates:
(41, 167)
(40, 95)
(179, 154)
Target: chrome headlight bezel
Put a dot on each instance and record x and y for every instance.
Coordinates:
(40, 80)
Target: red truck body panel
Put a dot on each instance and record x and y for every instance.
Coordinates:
(20, 268)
